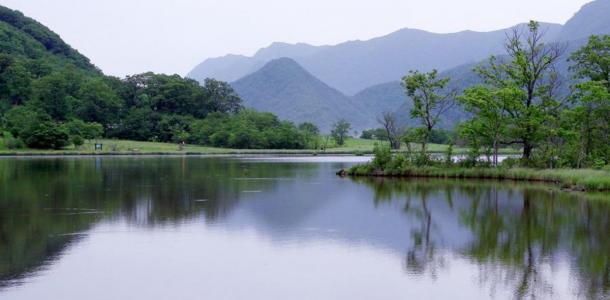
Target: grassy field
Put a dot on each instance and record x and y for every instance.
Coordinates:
(574, 179)
(352, 146)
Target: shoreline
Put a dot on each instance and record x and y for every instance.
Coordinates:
(584, 180)
(59, 153)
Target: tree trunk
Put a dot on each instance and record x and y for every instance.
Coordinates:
(495, 161)
(527, 152)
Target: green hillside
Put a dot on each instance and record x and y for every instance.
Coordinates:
(26, 38)
(51, 96)
(286, 89)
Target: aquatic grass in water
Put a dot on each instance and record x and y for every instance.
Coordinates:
(577, 179)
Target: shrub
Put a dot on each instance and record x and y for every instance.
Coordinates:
(510, 163)
(77, 140)
(422, 159)
(383, 155)
(45, 135)
(397, 165)
(598, 164)
(14, 143)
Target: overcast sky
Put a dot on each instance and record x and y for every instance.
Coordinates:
(172, 36)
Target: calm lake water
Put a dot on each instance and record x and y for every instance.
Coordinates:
(288, 228)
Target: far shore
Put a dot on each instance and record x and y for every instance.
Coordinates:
(358, 147)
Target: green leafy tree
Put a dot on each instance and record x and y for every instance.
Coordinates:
(311, 134)
(529, 75)
(97, 102)
(84, 130)
(221, 97)
(431, 100)
(45, 135)
(52, 94)
(592, 62)
(488, 127)
(340, 131)
(15, 81)
(587, 124)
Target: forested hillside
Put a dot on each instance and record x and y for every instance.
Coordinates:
(51, 96)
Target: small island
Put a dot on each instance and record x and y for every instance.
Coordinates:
(562, 138)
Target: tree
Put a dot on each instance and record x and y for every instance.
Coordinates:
(221, 97)
(309, 128)
(19, 117)
(431, 99)
(388, 121)
(529, 74)
(587, 128)
(592, 62)
(488, 126)
(15, 81)
(52, 94)
(97, 102)
(311, 133)
(340, 131)
(84, 130)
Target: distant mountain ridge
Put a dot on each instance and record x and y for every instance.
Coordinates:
(355, 65)
(367, 63)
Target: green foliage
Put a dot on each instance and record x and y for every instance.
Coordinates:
(340, 131)
(25, 37)
(45, 135)
(13, 143)
(521, 92)
(592, 61)
(379, 134)
(77, 140)
(311, 134)
(383, 156)
(430, 100)
(249, 129)
(84, 130)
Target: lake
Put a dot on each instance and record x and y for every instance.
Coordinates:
(288, 228)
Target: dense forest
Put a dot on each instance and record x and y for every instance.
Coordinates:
(51, 96)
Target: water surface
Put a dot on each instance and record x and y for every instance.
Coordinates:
(288, 228)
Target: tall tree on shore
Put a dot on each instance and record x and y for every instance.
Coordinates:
(431, 99)
(388, 121)
(589, 120)
(529, 71)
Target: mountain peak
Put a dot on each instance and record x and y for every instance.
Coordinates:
(283, 63)
(591, 19)
(285, 88)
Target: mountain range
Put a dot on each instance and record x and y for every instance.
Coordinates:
(358, 80)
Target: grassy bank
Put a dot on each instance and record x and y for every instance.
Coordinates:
(573, 179)
(352, 146)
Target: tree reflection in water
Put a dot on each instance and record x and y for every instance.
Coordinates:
(515, 234)
(519, 232)
(47, 204)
